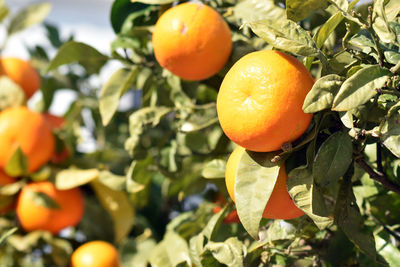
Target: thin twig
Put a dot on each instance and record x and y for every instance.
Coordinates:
(378, 176)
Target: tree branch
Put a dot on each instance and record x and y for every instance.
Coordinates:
(378, 176)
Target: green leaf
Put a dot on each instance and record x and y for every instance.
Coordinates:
(8, 233)
(286, 35)
(390, 133)
(118, 206)
(333, 159)
(156, 2)
(11, 94)
(255, 180)
(44, 200)
(322, 93)
(18, 164)
(29, 16)
(120, 10)
(360, 87)
(4, 10)
(71, 178)
(196, 249)
(113, 181)
(387, 250)
(380, 22)
(142, 118)
(348, 218)
(112, 91)
(139, 175)
(214, 169)
(253, 10)
(392, 9)
(392, 57)
(326, 29)
(72, 52)
(172, 251)
(302, 190)
(297, 10)
(231, 252)
(210, 229)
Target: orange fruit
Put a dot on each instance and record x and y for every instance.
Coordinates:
(55, 122)
(232, 217)
(260, 101)
(21, 127)
(6, 203)
(22, 73)
(34, 216)
(95, 254)
(280, 205)
(192, 41)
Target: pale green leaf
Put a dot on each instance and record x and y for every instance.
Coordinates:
(71, 178)
(297, 10)
(112, 91)
(360, 87)
(29, 16)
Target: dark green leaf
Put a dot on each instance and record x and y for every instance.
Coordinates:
(112, 91)
(214, 169)
(348, 218)
(333, 159)
(210, 230)
(120, 10)
(360, 87)
(297, 10)
(11, 94)
(380, 23)
(322, 93)
(18, 164)
(28, 16)
(255, 180)
(71, 178)
(285, 35)
(72, 52)
(253, 10)
(44, 200)
(231, 252)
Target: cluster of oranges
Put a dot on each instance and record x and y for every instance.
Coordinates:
(260, 101)
(32, 132)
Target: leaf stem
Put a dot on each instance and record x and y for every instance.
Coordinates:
(378, 176)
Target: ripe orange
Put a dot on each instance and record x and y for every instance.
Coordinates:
(260, 101)
(192, 41)
(22, 73)
(55, 122)
(280, 205)
(232, 217)
(34, 216)
(27, 129)
(6, 203)
(95, 254)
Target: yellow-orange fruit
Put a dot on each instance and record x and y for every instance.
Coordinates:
(280, 205)
(34, 216)
(21, 127)
(192, 41)
(260, 101)
(22, 73)
(95, 254)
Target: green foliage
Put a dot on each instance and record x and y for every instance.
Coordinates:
(156, 176)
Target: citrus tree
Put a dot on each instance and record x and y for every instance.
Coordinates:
(258, 133)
